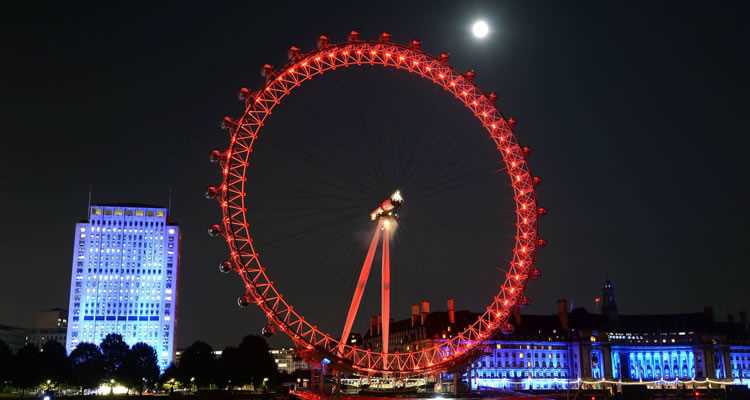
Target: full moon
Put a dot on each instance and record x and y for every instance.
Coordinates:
(480, 29)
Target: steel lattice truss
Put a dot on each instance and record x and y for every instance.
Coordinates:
(244, 256)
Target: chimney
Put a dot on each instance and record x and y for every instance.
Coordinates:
(414, 314)
(425, 306)
(708, 312)
(517, 315)
(562, 313)
(451, 311)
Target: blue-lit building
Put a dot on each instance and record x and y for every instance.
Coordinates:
(578, 349)
(124, 278)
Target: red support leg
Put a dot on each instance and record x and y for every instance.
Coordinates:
(359, 290)
(385, 292)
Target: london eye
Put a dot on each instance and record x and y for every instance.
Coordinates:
(234, 195)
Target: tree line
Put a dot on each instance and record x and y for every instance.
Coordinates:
(248, 364)
(86, 367)
(89, 365)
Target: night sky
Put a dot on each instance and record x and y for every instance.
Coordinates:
(636, 112)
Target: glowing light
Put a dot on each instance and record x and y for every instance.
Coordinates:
(234, 211)
(480, 29)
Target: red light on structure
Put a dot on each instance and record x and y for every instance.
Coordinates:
(266, 71)
(293, 53)
(228, 123)
(232, 196)
(244, 94)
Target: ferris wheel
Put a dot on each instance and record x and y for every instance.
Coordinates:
(244, 258)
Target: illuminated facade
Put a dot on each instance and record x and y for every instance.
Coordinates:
(581, 350)
(49, 325)
(577, 349)
(124, 278)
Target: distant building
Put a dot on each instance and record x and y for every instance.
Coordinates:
(49, 325)
(178, 355)
(284, 359)
(13, 336)
(575, 349)
(124, 278)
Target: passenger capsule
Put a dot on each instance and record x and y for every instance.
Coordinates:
(385, 37)
(243, 301)
(536, 180)
(353, 36)
(541, 211)
(416, 44)
(268, 330)
(212, 192)
(225, 266)
(443, 57)
(526, 151)
(293, 53)
(266, 71)
(216, 155)
(322, 42)
(244, 94)
(541, 243)
(228, 123)
(214, 230)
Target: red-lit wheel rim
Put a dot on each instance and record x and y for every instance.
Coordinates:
(244, 254)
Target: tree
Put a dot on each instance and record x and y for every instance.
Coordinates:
(140, 368)
(26, 373)
(262, 367)
(170, 378)
(230, 368)
(114, 350)
(54, 364)
(87, 366)
(197, 365)
(6, 363)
